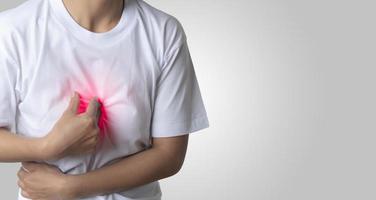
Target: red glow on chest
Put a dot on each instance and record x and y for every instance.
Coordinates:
(103, 119)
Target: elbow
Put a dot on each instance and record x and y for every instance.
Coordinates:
(174, 167)
(177, 167)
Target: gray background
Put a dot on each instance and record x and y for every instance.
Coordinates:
(289, 87)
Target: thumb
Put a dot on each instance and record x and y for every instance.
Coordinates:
(93, 108)
(29, 166)
(74, 103)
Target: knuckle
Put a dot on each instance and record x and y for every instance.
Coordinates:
(25, 194)
(20, 184)
(86, 121)
(91, 122)
(19, 174)
(93, 133)
(93, 140)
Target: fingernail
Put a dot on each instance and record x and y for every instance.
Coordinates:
(96, 100)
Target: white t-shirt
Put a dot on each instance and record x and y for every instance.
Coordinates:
(141, 70)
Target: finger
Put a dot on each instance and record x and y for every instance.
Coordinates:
(99, 111)
(23, 187)
(89, 144)
(21, 174)
(93, 134)
(82, 139)
(86, 140)
(82, 146)
(92, 109)
(25, 194)
(25, 169)
(74, 103)
(21, 184)
(34, 195)
(30, 166)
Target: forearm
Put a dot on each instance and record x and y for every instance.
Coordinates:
(161, 161)
(139, 169)
(72, 134)
(15, 148)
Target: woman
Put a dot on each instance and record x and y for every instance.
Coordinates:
(97, 98)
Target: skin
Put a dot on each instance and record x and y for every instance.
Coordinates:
(72, 135)
(77, 134)
(95, 15)
(164, 159)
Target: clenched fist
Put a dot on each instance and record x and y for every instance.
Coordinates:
(73, 134)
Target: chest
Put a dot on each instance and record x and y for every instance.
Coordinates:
(123, 77)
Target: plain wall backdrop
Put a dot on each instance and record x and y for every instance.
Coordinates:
(289, 87)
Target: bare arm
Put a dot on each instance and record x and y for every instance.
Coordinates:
(164, 159)
(72, 134)
(15, 148)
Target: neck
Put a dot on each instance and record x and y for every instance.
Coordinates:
(95, 15)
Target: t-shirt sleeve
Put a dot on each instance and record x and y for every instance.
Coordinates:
(178, 106)
(8, 95)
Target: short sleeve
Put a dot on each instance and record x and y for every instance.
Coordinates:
(8, 95)
(178, 106)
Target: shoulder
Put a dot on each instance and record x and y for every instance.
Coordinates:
(17, 23)
(156, 15)
(161, 20)
(15, 26)
(16, 19)
(163, 27)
